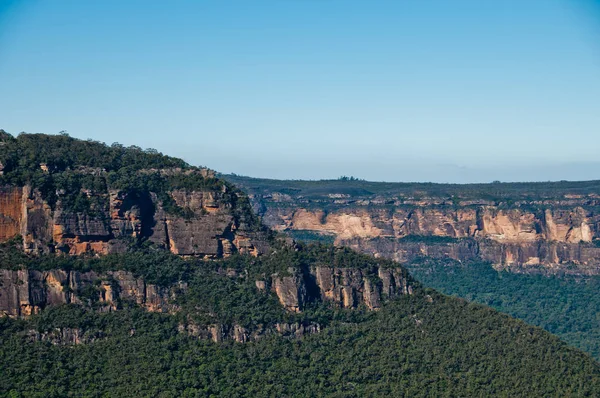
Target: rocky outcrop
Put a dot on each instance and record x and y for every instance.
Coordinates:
(512, 226)
(206, 225)
(537, 256)
(27, 292)
(216, 333)
(240, 334)
(11, 212)
(65, 336)
(343, 287)
(291, 291)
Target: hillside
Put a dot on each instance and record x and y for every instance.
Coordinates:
(124, 272)
(566, 306)
(207, 327)
(410, 348)
(485, 228)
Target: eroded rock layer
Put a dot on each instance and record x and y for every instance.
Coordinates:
(519, 229)
(344, 287)
(27, 292)
(211, 226)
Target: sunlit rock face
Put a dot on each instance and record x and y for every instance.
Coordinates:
(556, 233)
(210, 227)
(343, 287)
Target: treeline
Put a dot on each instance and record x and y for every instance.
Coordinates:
(22, 156)
(507, 193)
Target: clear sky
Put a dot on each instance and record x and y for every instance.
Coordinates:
(415, 90)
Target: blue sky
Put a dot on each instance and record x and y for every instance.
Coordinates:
(446, 91)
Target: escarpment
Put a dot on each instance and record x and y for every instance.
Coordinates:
(342, 287)
(543, 227)
(26, 292)
(195, 298)
(116, 216)
(210, 228)
(82, 197)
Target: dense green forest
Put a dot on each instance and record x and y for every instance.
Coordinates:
(426, 344)
(566, 306)
(421, 345)
(415, 346)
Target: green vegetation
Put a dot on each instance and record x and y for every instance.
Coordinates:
(163, 268)
(421, 345)
(426, 344)
(566, 306)
(504, 194)
(412, 347)
(80, 173)
(23, 155)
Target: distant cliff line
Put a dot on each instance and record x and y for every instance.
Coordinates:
(544, 227)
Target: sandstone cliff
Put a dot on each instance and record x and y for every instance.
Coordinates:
(343, 287)
(71, 196)
(27, 292)
(536, 230)
(66, 197)
(211, 226)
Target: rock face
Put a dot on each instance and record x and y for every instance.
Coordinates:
(27, 292)
(486, 222)
(65, 336)
(557, 231)
(211, 226)
(344, 287)
(11, 212)
(240, 334)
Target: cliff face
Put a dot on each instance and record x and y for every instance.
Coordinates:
(240, 334)
(209, 228)
(515, 237)
(485, 222)
(27, 292)
(557, 233)
(11, 212)
(343, 287)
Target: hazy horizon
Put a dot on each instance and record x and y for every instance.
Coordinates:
(383, 91)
